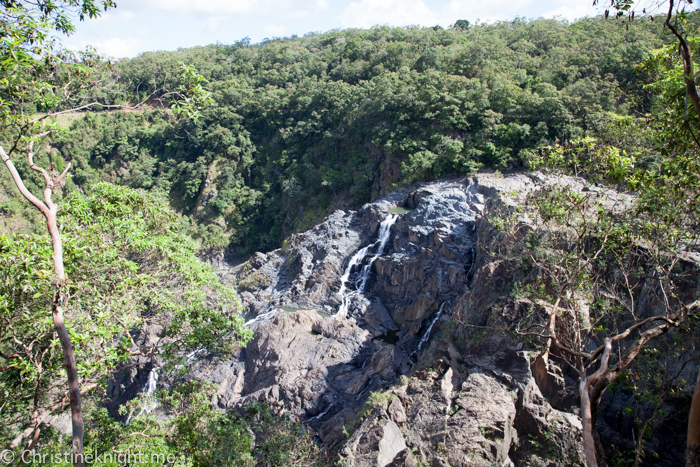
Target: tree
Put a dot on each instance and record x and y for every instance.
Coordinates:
(31, 67)
(57, 15)
(604, 269)
(677, 86)
(41, 77)
(344, 131)
(129, 265)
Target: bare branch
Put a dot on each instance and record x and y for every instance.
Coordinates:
(93, 104)
(46, 416)
(20, 184)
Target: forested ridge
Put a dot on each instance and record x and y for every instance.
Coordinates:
(303, 125)
(551, 302)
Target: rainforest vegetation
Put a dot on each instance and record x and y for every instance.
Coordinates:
(160, 160)
(303, 125)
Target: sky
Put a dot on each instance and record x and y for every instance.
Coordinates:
(137, 26)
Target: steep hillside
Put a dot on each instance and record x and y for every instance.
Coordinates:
(304, 125)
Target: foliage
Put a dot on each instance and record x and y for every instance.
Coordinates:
(301, 126)
(188, 431)
(610, 269)
(674, 117)
(57, 14)
(587, 158)
(199, 435)
(37, 74)
(192, 95)
(128, 264)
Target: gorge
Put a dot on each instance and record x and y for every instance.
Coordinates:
(412, 366)
(473, 245)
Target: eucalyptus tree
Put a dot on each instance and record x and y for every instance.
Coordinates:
(677, 120)
(133, 288)
(604, 269)
(41, 80)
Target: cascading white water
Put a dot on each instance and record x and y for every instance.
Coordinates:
(383, 238)
(354, 261)
(262, 317)
(319, 416)
(149, 389)
(426, 336)
(152, 381)
(357, 258)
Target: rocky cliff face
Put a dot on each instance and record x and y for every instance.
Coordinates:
(380, 386)
(386, 381)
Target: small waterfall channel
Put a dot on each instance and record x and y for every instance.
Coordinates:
(262, 317)
(152, 384)
(358, 258)
(148, 390)
(426, 335)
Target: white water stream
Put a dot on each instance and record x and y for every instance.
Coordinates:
(361, 281)
(426, 335)
(263, 316)
(149, 389)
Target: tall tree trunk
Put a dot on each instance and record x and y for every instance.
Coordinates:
(49, 209)
(73, 380)
(66, 344)
(587, 424)
(687, 56)
(587, 420)
(692, 452)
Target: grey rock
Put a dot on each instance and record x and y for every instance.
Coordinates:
(391, 444)
(375, 443)
(403, 459)
(324, 368)
(480, 402)
(397, 412)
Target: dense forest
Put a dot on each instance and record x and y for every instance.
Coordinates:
(301, 126)
(147, 166)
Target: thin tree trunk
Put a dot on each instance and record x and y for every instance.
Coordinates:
(64, 337)
(693, 442)
(587, 421)
(688, 68)
(49, 210)
(73, 380)
(692, 452)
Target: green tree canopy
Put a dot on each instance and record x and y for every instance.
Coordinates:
(128, 264)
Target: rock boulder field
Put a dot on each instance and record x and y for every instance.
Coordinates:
(398, 381)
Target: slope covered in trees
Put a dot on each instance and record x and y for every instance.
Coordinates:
(300, 126)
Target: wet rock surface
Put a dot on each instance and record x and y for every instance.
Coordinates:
(323, 367)
(433, 401)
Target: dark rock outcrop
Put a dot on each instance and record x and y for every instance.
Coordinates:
(384, 385)
(324, 367)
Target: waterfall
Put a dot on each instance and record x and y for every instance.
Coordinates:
(262, 317)
(357, 258)
(319, 416)
(383, 238)
(152, 382)
(354, 261)
(426, 335)
(149, 389)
